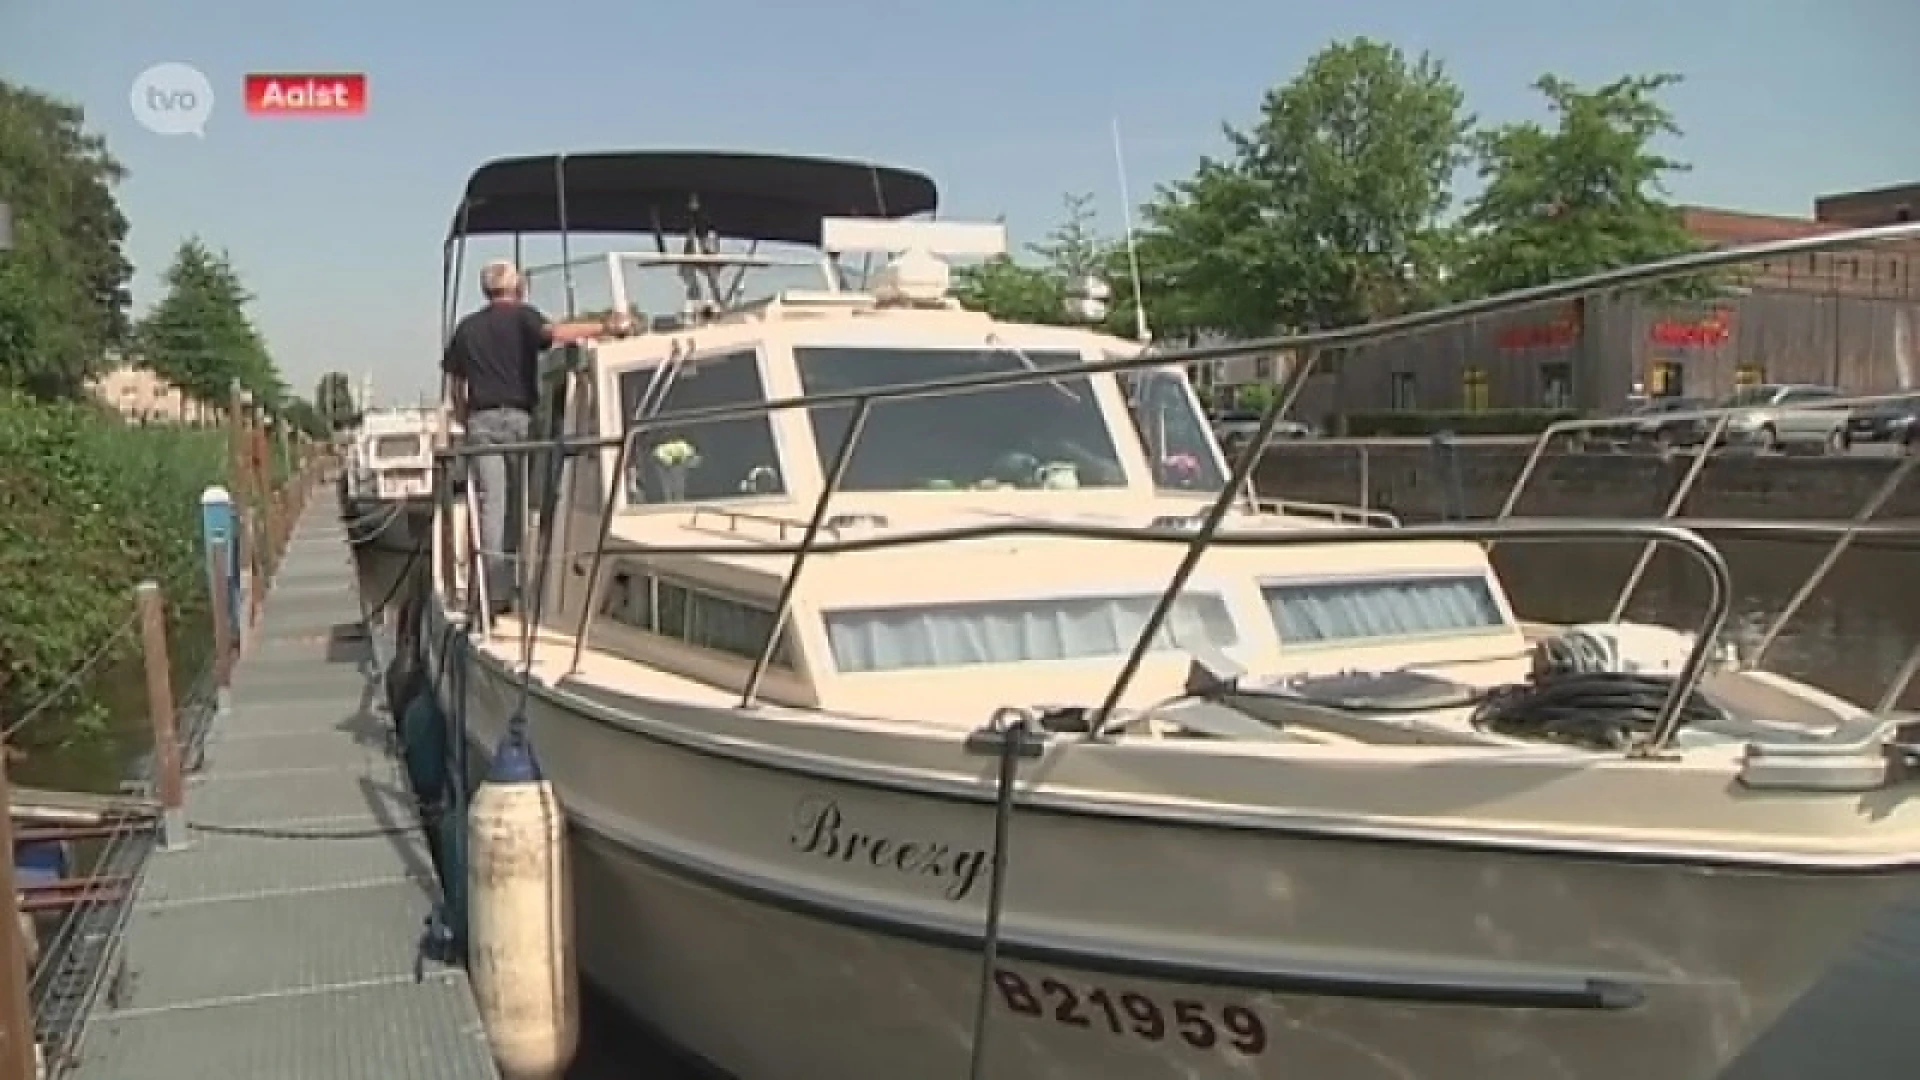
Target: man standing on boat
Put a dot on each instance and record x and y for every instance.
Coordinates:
(492, 368)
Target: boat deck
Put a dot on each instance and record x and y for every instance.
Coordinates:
(284, 939)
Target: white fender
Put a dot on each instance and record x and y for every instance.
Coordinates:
(520, 918)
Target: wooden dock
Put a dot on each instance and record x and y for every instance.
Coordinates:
(283, 939)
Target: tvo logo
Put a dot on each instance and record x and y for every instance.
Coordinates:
(172, 99)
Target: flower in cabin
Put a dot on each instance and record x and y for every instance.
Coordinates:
(676, 453)
(1181, 468)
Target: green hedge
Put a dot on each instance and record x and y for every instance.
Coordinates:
(89, 507)
(1458, 421)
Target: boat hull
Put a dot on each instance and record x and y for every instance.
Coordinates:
(768, 960)
(394, 526)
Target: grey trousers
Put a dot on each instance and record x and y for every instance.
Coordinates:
(495, 483)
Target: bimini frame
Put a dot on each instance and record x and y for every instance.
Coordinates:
(702, 196)
(1198, 535)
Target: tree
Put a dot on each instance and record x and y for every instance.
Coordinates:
(1581, 197)
(64, 289)
(1204, 263)
(199, 336)
(1011, 292)
(304, 417)
(1074, 249)
(1328, 211)
(333, 401)
(1071, 252)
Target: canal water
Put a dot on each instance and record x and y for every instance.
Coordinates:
(1849, 637)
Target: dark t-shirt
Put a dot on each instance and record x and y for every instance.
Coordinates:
(496, 350)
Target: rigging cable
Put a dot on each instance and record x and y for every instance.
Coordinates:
(1013, 736)
(530, 618)
(73, 678)
(406, 572)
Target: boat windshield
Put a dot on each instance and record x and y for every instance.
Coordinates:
(396, 446)
(1049, 434)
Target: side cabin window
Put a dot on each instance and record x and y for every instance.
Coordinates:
(1362, 610)
(1018, 631)
(699, 460)
(1045, 434)
(1178, 445)
(693, 615)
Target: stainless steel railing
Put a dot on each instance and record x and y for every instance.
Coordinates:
(1513, 530)
(1304, 347)
(1721, 416)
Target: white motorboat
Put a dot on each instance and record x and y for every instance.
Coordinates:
(386, 484)
(890, 660)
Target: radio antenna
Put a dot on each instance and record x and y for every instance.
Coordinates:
(1140, 328)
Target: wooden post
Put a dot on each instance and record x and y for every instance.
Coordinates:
(243, 497)
(262, 481)
(289, 461)
(236, 446)
(18, 1041)
(221, 585)
(168, 785)
(269, 490)
(262, 484)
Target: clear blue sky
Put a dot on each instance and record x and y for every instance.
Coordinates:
(337, 224)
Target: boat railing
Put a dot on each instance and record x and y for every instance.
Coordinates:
(1721, 416)
(1196, 542)
(1206, 532)
(733, 519)
(1338, 513)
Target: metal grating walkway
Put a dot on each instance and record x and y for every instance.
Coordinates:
(265, 951)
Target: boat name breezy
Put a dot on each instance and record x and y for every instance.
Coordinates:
(819, 828)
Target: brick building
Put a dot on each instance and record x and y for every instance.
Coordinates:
(1847, 318)
(143, 397)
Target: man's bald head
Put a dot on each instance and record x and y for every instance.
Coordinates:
(500, 280)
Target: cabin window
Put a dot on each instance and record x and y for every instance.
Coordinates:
(1042, 434)
(396, 446)
(1017, 631)
(1176, 440)
(695, 616)
(1329, 612)
(699, 460)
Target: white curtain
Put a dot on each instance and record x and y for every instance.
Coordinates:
(1010, 632)
(1308, 613)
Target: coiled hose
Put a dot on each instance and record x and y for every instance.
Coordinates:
(1596, 710)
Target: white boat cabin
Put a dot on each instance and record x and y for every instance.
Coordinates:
(949, 629)
(392, 454)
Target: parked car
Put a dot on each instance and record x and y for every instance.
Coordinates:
(1233, 429)
(1896, 422)
(1651, 423)
(1781, 416)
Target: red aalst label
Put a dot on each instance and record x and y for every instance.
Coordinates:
(306, 94)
